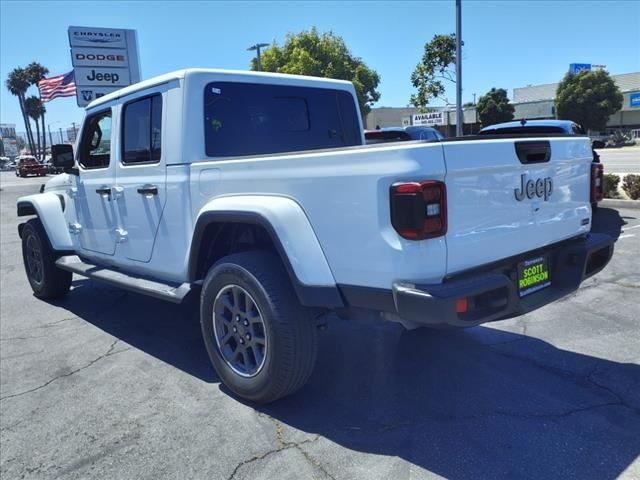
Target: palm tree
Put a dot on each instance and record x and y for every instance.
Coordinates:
(37, 72)
(18, 83)
(35, 110)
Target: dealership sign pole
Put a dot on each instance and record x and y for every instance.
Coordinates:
(104, 60)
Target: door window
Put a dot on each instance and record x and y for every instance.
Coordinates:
(142, 131)
(95, 148)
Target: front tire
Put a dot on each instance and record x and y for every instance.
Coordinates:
(46, 280)
(261, 341)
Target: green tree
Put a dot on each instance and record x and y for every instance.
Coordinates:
(35, 110)
(436, 66)
(35, 73)
(588, 98)
(18, 83)
(322, 55)
(494, 107)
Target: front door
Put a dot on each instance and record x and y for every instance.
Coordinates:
(141, 176)
(95, 205)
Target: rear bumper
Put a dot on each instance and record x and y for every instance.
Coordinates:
(491, 292)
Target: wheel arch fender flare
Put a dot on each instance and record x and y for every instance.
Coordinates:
(49, 208)
(291, 233)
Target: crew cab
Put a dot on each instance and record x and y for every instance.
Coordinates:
(28, 165)
(255, 195)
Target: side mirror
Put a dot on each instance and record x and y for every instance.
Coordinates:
(597, 144)
(62, 156)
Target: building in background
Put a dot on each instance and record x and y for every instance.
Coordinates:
(530, 102)
(9, 140)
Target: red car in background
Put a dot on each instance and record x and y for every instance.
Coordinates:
(28, 165)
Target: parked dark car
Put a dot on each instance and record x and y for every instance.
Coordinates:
(555, 127)
(402, 134)
(534, 127)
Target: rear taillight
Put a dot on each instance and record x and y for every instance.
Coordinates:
(419, 209)
(597, 182)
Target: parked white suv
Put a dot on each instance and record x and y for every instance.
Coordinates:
(256, 191)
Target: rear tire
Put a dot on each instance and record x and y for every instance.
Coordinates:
(249, 295)
(46, 280)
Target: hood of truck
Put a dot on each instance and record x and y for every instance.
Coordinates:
(499, 207)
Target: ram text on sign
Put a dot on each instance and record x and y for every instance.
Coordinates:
(103, 77)
(432, 118)
(87, 94)
(97, 37)
(99, 57)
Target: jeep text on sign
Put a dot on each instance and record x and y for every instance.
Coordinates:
(104, 77)
(99, 57)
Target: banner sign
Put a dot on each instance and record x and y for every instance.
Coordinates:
(104, 59)
(432, 118)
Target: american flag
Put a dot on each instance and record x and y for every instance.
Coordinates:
(58, 86)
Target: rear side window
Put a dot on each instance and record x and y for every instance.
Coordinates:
(142, 130)
(254, 119)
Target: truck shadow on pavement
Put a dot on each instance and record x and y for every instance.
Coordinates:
(479, 403)
(464, 404)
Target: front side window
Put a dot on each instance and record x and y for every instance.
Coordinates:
(141, 131)
(95, 148)
(254, 119)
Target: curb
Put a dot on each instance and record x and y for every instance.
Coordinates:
(613, 203)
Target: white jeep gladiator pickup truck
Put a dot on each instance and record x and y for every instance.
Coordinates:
(256, 192)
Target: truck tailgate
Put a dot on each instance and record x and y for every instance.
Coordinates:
(499, 205)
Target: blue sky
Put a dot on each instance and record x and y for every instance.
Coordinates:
(507, 43)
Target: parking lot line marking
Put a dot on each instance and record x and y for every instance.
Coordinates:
(631, 228)
(627, 236)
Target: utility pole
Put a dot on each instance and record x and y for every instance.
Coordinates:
(459, 114)
(50, 137)
(257, 48)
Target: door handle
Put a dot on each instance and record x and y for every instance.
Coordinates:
(104, 191)
(148, 190)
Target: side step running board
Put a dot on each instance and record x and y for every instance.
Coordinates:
(144, 286)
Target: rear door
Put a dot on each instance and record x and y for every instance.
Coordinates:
(501, 203)
(140, 175)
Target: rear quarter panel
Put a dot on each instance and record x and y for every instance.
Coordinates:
(345, 195)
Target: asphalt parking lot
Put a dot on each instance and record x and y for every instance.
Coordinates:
(109, 384)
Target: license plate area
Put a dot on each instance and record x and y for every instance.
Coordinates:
(533, 275)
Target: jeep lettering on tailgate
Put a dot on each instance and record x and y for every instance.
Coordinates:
(540, 188)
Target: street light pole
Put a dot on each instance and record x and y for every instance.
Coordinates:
(49, 128)
(60, 130)
(459, 114)
(257, 48)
